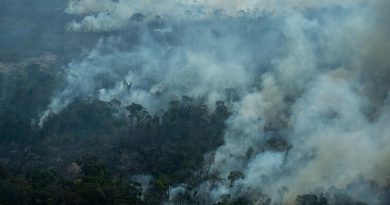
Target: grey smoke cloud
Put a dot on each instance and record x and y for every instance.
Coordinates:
(331, 129)
(333, 140)
(186, 59)
(107, 15)
(314, 73)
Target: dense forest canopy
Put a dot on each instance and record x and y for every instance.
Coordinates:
(204, 102)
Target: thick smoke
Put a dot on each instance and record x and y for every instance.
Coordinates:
(112, 15)
(166, 59)
(310, 82)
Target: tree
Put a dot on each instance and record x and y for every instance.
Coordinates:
(234, 176)
(137, 112)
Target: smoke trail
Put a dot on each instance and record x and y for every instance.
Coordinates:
(329, 115)
(312, 80)
(172, 59)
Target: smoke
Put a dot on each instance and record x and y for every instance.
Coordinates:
(169, 59)
(327, 120)
(144, 181)
(108, 15)
(334, 139)
(312, 80)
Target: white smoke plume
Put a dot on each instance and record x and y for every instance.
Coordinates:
(107, 15)
(334, 141)
(314, 76)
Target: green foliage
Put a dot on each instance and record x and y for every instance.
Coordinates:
(90, 166)
(47, 187)
(162, 182)
(137, 112)
(3, 172)
(238, 201)
(338, 199)
(125, 140)
(310, 199)
(170, 148)
(234, 176)
(83, 117)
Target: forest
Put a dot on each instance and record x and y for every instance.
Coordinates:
(194, 103)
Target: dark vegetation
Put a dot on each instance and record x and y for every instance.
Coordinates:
(88, 152)
(94, 185)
